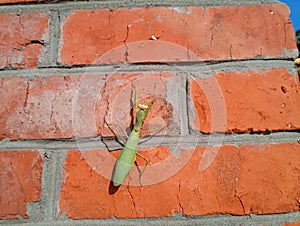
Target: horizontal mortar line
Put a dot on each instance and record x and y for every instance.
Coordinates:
(92, 5)
(186, 67)
(188, 142)
(178, 219)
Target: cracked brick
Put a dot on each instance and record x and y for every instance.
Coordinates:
(23, 40)
(45, 108)
(67, 106)
(263, 182)
(20, 173)
(252, 101)
(187, 34)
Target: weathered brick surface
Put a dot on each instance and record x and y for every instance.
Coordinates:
(68, 106)
(37, 109)
(246, 101)
(176, 34)
(20, 182)
(249, 179)
(22, 39)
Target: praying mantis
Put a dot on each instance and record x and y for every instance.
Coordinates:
(128, 155)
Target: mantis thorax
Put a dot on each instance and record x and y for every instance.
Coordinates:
(140, 118)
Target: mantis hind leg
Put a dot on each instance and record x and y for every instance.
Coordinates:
(152, 133)
(141, 172)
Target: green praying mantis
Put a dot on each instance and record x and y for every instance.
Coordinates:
(128, 155)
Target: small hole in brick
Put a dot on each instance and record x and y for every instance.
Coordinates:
(283, 89)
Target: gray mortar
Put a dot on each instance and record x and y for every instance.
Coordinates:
(46, 208)
(52, 49)
(191, 69)
(177, 96)
(225, 220)
(86, 144)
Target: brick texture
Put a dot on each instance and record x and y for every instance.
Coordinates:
(37, 109)
(22, 39)
(20, 173)
(250, 101)
(296, 223)
(117, 101)
(50, 97)
(176, 34)
(250, 179)
(68, 106)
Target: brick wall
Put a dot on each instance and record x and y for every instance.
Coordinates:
(226, 98)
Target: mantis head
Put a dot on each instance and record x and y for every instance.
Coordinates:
(141, 110)
(145, 108)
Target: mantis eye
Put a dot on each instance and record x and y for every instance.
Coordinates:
(142, 106)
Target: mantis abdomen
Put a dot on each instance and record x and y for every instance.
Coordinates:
(126, 158)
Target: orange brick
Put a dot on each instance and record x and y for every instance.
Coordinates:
(296, 223)
(176, 34)
(20, 173)
(22, 39)
(247, 101)
(250, 179)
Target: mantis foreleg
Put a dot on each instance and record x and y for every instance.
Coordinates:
(118, 136)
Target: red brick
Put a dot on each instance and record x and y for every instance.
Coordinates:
(64, 107)
(247, 101)
(49, 107)
(37, 109)
(22, 39)
(296, 223)
(243, 180)
(250, 179)
(89, 190)
(115, 106)
(176, 34)
(20, 173)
